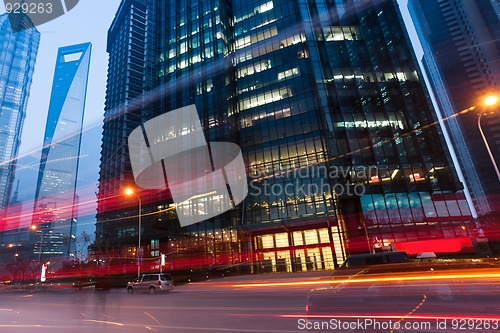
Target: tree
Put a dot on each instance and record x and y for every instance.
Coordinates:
(81, 255)
(22, 267)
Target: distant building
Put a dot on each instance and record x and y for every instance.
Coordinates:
(18, 52)
(461, 42)
(56, 201)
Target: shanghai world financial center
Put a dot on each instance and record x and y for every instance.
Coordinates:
(328, 104)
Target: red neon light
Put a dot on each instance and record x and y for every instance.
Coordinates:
(442, 245)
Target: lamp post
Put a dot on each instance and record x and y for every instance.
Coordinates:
(489, 101)
(129, 192)
(34, 227)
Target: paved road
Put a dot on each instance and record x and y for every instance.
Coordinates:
(214, 306)
(202, 307)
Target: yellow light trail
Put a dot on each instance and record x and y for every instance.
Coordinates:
(104, 322)
(385, 279)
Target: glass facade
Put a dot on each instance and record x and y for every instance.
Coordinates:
(338, 136)
(18, 54)
(461, 50)
(55, 212)
(131, 73)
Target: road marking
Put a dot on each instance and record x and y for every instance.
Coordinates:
(104, 322)
(411, 312)
(150, 316)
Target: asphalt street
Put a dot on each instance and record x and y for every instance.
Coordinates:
(200, 307)
(214, 306)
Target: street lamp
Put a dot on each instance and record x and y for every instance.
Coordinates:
(34, 227)
(488, 102)
(129, 192)
(491, 100)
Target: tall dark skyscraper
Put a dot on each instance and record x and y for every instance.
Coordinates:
(461, 42)
(54, 213)
(131, 73)
(322, 99)
(18, 54)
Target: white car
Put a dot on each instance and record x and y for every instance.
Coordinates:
(151, 283)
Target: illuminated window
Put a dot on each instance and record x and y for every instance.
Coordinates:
(262, 99)
(269, 48)
(282, 240)
(323, 235)
(242, 42)
(257, 10)
(288, 74)
(311, 237)
(337, 33)
(248, 40)
(183, 48)
(328, 258)
(297, 238)
(254, 68)
(267, 242)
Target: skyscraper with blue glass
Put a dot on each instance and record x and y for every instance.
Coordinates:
(322, 97)
(55, 206)
(460, 39)
(18, 52)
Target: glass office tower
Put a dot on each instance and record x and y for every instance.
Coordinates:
(131, 73)
(336, 129)
(54, 212)
(461, 46)
(18, 54)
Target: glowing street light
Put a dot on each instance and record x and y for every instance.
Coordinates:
(489, 101)
(34, 227)
(129, 191)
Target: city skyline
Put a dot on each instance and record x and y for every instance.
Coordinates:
(271, 165)
(94, 127)
(70, 29)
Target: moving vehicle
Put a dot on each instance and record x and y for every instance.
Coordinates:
(151, 283)
(359, 262)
